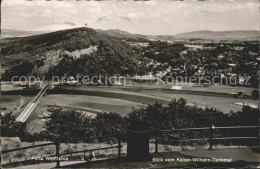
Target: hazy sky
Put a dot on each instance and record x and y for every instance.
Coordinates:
(144, 17)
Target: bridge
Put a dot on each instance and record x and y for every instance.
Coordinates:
(26, 112)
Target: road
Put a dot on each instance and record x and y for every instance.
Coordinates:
(26, 112)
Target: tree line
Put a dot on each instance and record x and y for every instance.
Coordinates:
(72, 126)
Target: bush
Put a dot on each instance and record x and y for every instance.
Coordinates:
(68, 149)
(178, 115)
(107, 124)
(11, 128)
(3, 108)
(69, 126)
(19, 154)
(255, 94)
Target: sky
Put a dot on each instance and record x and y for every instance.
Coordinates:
(155, 17)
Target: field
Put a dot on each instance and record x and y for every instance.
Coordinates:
(224, 104)
(148, 95)
(12, 102)
(121, 102)
(91, 104)
(216, 88)
(122, 107)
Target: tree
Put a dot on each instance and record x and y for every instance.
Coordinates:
(69, 125)
(107, 124)
(255, 93)
(11, 128)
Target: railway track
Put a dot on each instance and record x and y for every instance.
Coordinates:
(26, 112)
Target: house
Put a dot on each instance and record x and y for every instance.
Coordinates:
(232, 64)
(239, 48)
(145, 77)
(220, 56)
(183, 52)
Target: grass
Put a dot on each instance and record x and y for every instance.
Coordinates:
(12, 102)
(34, 122)
(220, 103)
(238, 157)
(11, 143)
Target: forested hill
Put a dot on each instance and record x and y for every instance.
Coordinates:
(80, 50)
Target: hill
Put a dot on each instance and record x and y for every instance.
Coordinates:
(207, 35)
(221, 35)
(126, 35)
(81, 50)
(120, 34)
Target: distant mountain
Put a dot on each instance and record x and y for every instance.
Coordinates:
(126, 35)
(206, 35)
(120, 33)
(220, 35)
(114, 22)
(161, 37)
(81, 50)
(9, 33)
(56, 27)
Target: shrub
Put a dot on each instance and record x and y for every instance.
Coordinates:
(19, 154)
(11, 128)
(255, 93)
